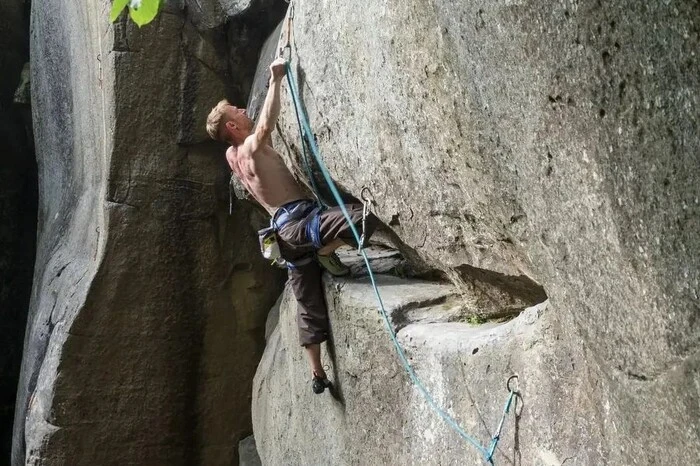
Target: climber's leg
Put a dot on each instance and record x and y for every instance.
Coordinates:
(330, 247)
(335, 230)
(312, 314)
(313, 351)
(330, 261)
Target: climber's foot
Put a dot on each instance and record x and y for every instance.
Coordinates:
(320, 383)
(332, 263)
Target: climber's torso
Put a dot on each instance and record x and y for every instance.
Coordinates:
(265, 175)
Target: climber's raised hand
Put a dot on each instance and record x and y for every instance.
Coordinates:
(278, 69)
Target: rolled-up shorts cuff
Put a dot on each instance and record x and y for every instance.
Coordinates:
(306, 339)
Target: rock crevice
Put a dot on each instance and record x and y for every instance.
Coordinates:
(144, 286)
(376, 416)
(18, 204)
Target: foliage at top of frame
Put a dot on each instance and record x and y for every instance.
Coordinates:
(141, 12)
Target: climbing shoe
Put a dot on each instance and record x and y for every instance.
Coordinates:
(332, 263)
(319, 384)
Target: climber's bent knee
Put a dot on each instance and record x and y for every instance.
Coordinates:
(333, 224)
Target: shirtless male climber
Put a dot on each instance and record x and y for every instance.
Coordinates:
(307, 236)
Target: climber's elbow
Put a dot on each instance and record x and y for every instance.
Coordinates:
(263, 134)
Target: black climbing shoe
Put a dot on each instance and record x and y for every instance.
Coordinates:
(319, 385)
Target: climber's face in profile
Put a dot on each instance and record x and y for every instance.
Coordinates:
(238, 126)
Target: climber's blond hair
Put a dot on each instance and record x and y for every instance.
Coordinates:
(214, 119)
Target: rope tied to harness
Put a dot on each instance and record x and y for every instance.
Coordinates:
(309, 142)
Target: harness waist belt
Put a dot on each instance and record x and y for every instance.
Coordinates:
(295, 210)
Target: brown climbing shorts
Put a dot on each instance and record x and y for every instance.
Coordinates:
(304, 272)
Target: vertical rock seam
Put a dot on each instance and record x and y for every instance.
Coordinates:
(18, 205)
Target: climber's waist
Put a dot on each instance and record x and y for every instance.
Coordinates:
(291, 211)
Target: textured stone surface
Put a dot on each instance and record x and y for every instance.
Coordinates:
(149, 302)
(377, 417)
(18, 200)
(513, 144)
(258, 92)
(248, 454)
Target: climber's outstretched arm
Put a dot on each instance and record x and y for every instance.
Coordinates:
(271, 108)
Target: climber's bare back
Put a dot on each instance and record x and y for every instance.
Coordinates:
(264, 174)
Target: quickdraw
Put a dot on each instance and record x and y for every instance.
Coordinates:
(367, 201)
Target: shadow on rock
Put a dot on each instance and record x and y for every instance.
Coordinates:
(335, 389)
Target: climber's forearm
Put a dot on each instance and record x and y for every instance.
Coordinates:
(270, 112)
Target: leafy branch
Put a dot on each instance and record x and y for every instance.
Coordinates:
(141, 12)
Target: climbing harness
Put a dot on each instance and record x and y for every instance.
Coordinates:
(309, 141)
(296, 210)
(292, 211)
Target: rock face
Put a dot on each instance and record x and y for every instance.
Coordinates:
(18, 201)
(148, 309)
(248, 454)
(376, 417)
(523, 148)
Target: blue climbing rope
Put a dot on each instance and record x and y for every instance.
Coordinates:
(304, 152)
(305, 130)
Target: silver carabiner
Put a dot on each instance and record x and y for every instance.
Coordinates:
(511, 378)
(367, 200)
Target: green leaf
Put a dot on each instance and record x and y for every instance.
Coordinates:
(117, 8)
(145, 13)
